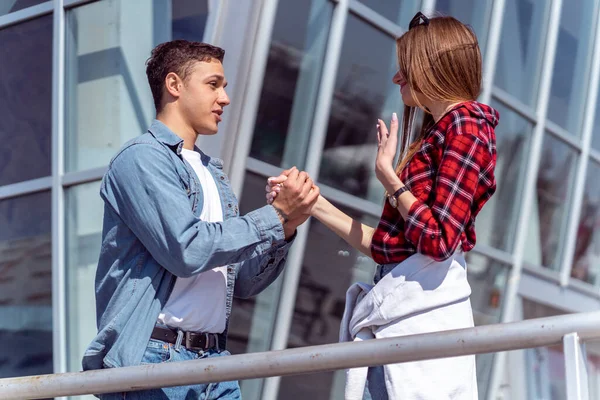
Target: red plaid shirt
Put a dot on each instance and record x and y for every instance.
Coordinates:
(452, 177)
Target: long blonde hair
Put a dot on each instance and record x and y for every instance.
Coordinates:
(440, 59)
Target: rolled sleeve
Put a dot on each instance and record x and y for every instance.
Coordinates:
(435, 230)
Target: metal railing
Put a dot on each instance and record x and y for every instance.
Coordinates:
(569, 329)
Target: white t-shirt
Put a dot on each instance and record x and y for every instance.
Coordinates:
(198, 303)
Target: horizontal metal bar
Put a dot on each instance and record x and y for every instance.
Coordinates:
(493, 253)
(511, 102)
(89, 175)
(24, 188)
(542, 272)
(376, 20)
(563, 135)
(483, 339)
(77, 3)
(344, 199)
(595, 155)
(26, 14)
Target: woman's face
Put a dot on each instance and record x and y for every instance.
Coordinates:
(407, 97)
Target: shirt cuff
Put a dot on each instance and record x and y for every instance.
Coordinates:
(269, 227)
(413, 228)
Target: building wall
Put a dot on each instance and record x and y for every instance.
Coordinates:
(308, 79)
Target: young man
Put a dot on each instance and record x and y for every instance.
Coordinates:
(174, 249)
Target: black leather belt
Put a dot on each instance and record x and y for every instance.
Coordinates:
(194, 341)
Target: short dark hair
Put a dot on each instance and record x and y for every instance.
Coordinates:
(176, 56)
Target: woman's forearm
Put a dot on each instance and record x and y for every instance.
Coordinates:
(355, 233)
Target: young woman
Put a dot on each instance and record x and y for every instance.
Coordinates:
(443, 179)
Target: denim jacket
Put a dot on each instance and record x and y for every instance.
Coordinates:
(152, 234)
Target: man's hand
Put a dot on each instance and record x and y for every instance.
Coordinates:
(296, 195)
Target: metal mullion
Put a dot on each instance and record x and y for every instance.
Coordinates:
(492, 50)
(77, 3)
(428, 7)
(594, 155)
(26, 14)
(315, 150)
(531, 174)
(494, 254)
(583, 287)
(24, 188)
(356, 203)
(89, 175)
(515, 105)
(586, 143)
(542, 272)
(375, 19)
(59, 343)
(563, 135)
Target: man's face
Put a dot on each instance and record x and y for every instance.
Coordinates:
(203, 97)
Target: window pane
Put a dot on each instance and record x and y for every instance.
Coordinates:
(329, 267)
(496, 223)
(363, 92)
(586, 261)
(398, 11)
(544, 366)
(26, 286)
(571, 64)
(596, 127)
(108, 99)
(8, 6)
(488, 281)
(471, 12)
(84, 210)
(291, 82)
(26, 100)
(252, 320)
(521, 45)
(549, 215)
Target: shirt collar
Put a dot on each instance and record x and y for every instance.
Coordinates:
(163, 134)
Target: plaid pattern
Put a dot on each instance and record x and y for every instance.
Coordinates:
(452, 177)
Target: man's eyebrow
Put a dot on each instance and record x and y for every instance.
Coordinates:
(218, 76)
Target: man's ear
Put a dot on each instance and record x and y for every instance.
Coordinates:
(173, 84)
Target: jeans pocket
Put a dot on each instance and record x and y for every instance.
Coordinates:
(157, 352)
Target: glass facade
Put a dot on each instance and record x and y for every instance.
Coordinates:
(542, 225)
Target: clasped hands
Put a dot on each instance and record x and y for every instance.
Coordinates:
(292, 194)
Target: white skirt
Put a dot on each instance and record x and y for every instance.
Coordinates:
(419, 295)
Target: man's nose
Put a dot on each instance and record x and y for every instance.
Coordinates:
(224, 99)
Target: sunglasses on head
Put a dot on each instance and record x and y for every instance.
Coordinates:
(418, 19)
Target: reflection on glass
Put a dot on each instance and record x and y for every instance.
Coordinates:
(488, 281)
(475, 13)
(83, 222)
(25, 100)
(496, 223)
(586, 261)
(596, 127)
(363, 93)
(329, 267)
(571, 65)
(592, 349)
(549, 215)
(398, 11)
(252, 319)
(291, 82)
(25, 286)
(108, 99)
(521, 46)
(9, 6)
(544, 366)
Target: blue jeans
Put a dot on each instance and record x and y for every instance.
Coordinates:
(158, 352)
(375, 388)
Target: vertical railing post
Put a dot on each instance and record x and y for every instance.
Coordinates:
(575, 368)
